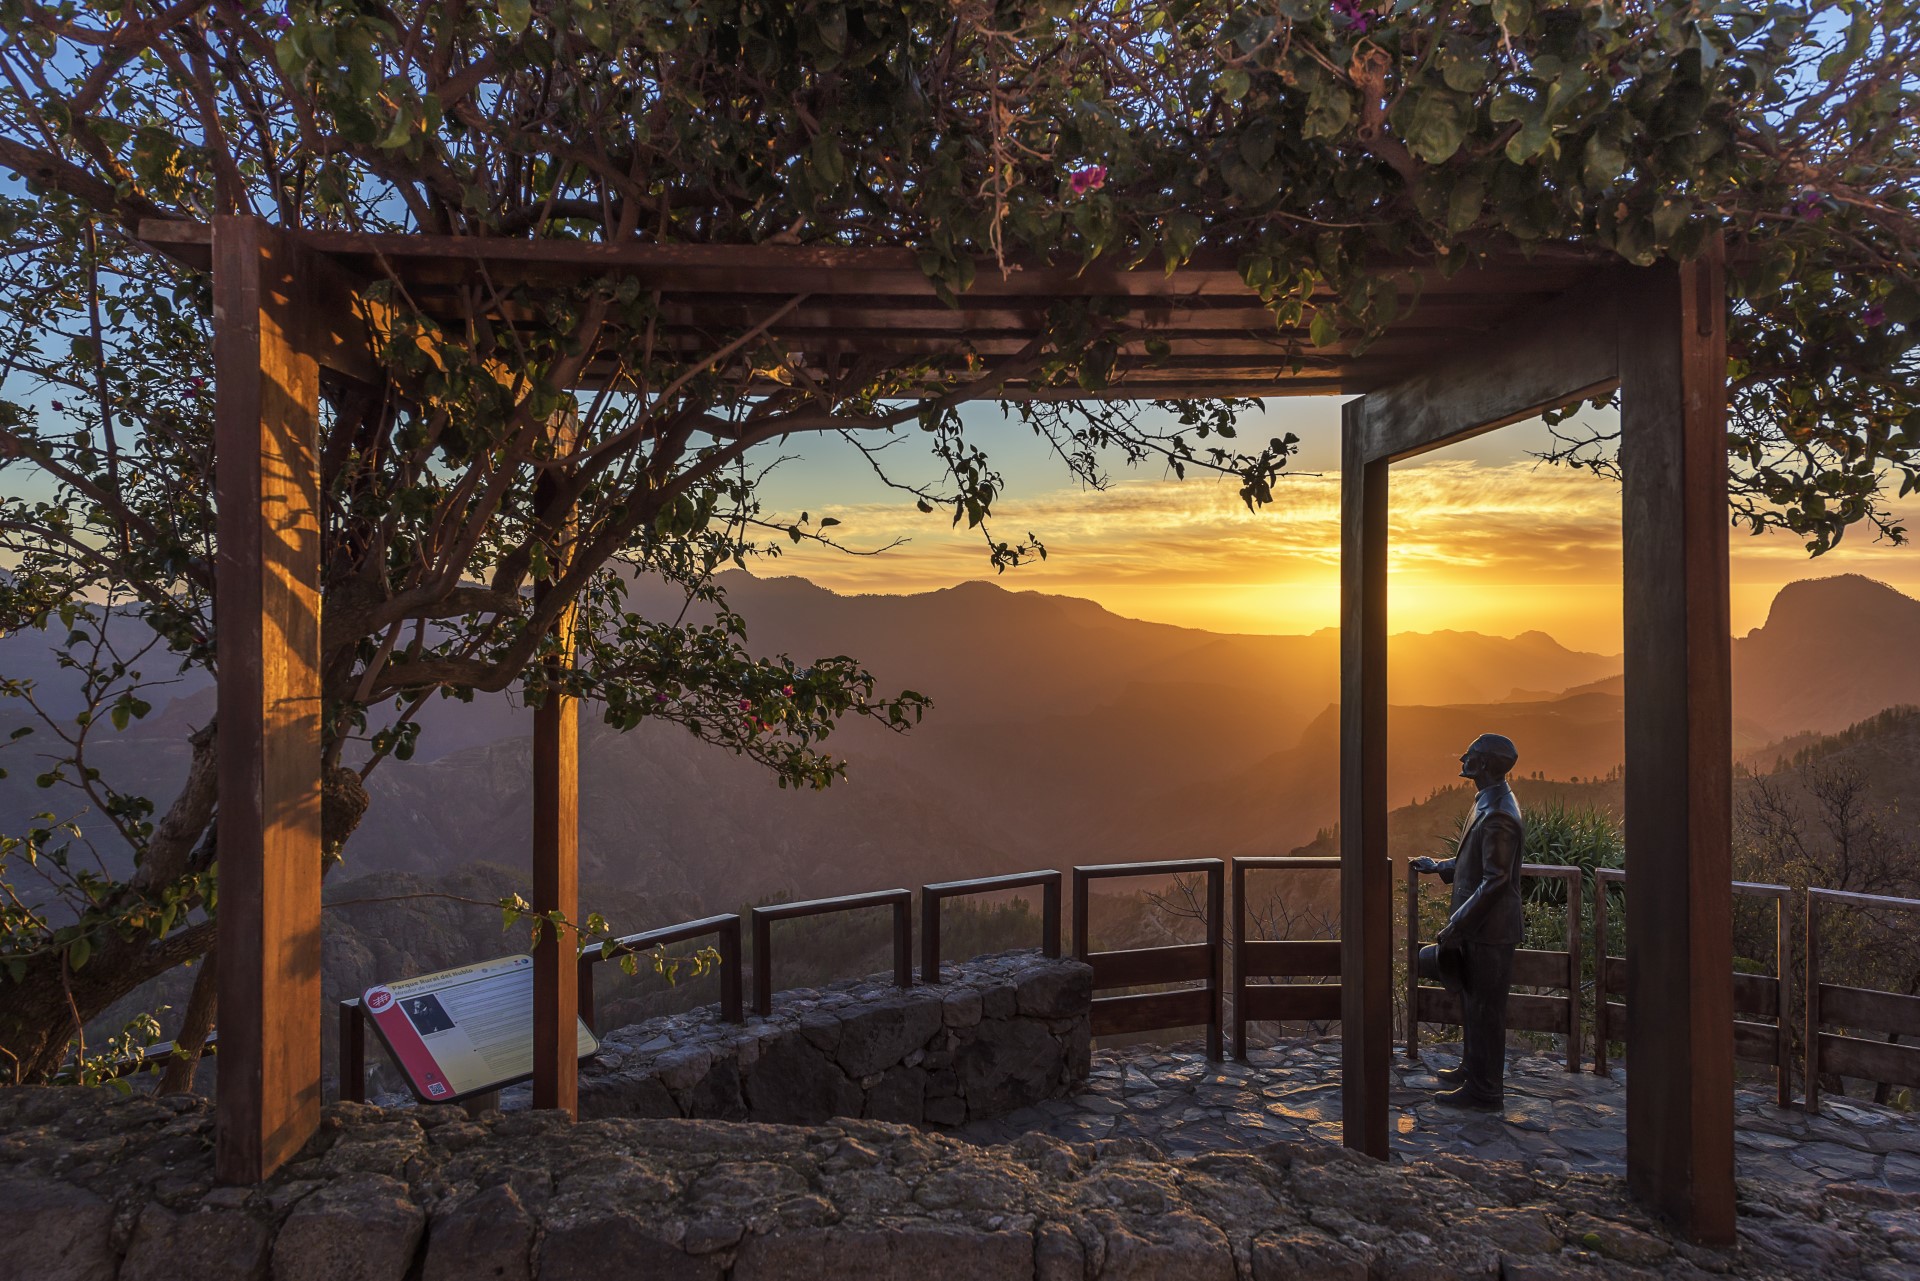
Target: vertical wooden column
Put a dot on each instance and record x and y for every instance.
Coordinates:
(1673, 370)
(267, 625)
(556, 871)
(1366, 888)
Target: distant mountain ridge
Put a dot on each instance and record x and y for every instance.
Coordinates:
(1061, 733)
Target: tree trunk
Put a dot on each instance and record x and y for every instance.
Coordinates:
(191, 1040)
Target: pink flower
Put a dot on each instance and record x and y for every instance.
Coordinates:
(659, 698)
(1807, 206)
(1356, 15)
(746, 704)
(1092, 178)
(58, 408)
(1873, 315)
(787, 690)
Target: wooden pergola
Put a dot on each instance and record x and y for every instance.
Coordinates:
(1486, 346)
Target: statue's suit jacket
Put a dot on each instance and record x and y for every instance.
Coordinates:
(1485, 871)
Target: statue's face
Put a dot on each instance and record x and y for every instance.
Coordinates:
(1473, 763)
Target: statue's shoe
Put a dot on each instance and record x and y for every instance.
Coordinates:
(1451, 1076)
(1461, 1098)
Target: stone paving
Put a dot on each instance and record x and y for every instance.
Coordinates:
(1555, 1121)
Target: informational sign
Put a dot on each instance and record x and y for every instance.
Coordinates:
(461, 1032)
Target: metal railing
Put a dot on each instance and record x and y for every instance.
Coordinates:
(1150, 966)
(901, 901)
(726, 928)
(932, 896)
(1760, 995)
(1279, 959)
(1526, 1011)
(1891, 1014)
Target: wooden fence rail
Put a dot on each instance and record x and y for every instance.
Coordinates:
(1146, 966)
(931, 897)
(1890, 1014)
(901, 901)
(1757, 995)
(725, 928)
(1280, 959)
(1526, 1012)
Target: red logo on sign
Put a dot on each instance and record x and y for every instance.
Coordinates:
(379, 999)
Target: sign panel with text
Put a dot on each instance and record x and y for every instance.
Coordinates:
(461, 1032)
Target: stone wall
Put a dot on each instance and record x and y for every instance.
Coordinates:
(1002, 1032)
(97, 1187)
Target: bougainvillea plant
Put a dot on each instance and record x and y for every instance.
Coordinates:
(1311, 142)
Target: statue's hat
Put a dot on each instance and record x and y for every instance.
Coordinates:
(1498, 746)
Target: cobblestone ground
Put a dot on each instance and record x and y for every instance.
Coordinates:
(1555, 1120)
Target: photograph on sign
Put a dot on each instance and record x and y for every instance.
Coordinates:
(462, 1032)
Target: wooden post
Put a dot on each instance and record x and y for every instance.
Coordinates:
(353, 1052)
(1413, 963)
(1366, 882)
(1573, 972)
(1813, 1004)
(267, 629)
(1216, 978)
(1783, 989)
(1239, 961)
(1673, 367)
(556, 857)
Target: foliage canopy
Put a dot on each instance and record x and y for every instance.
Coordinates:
(1313, 142)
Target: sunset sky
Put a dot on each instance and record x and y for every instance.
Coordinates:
(1485, 538)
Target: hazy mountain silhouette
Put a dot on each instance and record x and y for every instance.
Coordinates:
(1833, 651)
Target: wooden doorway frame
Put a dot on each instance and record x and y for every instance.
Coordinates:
(1658, 334)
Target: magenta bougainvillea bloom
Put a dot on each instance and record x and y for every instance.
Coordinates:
(1873, 316)
(1808, 205)
(1357, 15)
(659, 698)
(787, 690)
(745, 704)
(1092, 178)
(58, 407)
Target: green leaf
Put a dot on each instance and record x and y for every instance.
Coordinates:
(1434, 122)
(1325, 330)
(1604, 160)
(79, 952)
(514, 15)
(1232, 84)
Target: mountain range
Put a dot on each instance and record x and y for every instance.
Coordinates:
(1061, 733)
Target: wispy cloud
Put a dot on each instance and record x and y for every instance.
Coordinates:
(1488, 546)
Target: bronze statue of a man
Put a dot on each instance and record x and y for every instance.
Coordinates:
(1474, 952)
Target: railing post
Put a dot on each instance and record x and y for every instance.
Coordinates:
(1783, 970)
(1413, 962)
(1216, 912)
(1239, 961)
(1080, 948)
(731, 979)
(1573, 971)
(929, 936)
(1813, 1003)
(1050, 917)
(903, 943)
(762, 964)
(1601, 960)
(353, 1053)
